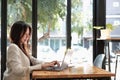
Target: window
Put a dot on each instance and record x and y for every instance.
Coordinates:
(81, 30)
(18, 10)
(52, 28)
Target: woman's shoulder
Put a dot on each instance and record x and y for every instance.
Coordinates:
(12, 49)
(12, 45)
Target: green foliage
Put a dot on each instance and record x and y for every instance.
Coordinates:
(19, 10)
(49, 11)
(78, 30)
(76, 4)
(109, 26)
(76, 17)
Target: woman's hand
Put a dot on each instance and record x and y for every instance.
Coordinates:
(56, 63)
(50, 64)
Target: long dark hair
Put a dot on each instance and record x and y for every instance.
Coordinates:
(18, 30)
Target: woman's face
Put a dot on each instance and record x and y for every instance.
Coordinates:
(26, 37)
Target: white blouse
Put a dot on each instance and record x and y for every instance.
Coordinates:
(18, 64)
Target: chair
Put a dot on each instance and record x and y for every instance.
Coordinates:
(99, 61)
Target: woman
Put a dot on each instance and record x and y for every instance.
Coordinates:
(18, 56)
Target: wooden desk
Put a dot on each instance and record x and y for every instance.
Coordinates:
(82, 72)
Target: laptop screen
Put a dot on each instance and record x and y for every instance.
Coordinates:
(63, 58)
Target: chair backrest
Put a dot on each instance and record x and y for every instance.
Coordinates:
(99, 61)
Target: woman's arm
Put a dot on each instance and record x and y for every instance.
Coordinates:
(35, 61)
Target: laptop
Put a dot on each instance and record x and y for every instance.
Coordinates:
(62, 66)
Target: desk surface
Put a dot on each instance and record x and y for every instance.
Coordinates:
(74, 72)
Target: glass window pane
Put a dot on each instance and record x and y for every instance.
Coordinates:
(51, 29)
(82, 30)
(18, 10)
(113, 21)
